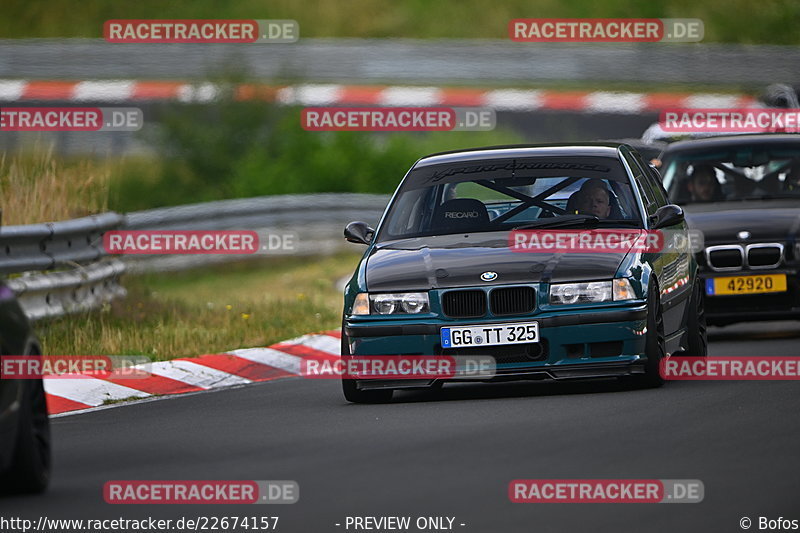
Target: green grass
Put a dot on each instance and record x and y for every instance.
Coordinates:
(257, 149)
(733, 21)
(211, 310)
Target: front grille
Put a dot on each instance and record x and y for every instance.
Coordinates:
(725, 257)
(512, 300)
(735, 257)
(764, 255)
(464, 304)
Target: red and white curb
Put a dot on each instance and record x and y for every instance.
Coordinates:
(335, 94)
(178, 376)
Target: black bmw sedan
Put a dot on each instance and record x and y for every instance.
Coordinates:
(743, 193)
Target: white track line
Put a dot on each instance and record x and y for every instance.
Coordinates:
(514, 99)
(323, 343)
(270, 357)
(411, 96)
(12, 90)
(109, 91)
(89, 391)
(615, 102)
(194, 374)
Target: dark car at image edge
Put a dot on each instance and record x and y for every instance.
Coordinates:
(24, 425)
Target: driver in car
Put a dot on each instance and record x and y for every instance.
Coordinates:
(594, 199)
(703, 185)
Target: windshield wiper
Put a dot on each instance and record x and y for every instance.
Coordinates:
(582, 221)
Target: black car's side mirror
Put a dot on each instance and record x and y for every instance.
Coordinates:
(359, 233)
(666, 216)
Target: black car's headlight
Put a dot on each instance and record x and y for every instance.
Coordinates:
(412, 303)
(591, 292)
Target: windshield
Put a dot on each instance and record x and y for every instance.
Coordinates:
(502, 195)
(746, 172)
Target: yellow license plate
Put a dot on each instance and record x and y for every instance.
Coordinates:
(746, 284)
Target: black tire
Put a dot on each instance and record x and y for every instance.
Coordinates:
(30, 462)
(655, 349)
(352, 393)
(696, 323)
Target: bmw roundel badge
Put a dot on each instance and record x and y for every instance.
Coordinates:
(489, 276)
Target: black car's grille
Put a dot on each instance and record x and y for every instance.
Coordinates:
(767, 255)
(725, 257)
(512, 300)
(735, 257)
(464, 304)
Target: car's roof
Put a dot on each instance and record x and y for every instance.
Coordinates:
(732, 140)
(595, 149)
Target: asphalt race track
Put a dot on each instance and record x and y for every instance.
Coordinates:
(453, 453)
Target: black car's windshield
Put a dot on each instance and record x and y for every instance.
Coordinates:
(736, 173)
(501, 195)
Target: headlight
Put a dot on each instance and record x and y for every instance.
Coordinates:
(391, 303)
(590, 292)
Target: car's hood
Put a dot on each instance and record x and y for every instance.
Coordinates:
(458, 261)
(765, 220)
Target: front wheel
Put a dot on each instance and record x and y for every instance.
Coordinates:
(696, 323)
(655, 349)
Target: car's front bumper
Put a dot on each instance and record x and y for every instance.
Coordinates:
(576, 345)
(727, 309)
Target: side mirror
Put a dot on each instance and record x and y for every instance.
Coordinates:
(666, 216)
(359, 233)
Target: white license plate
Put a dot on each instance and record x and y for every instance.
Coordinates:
(490, 335)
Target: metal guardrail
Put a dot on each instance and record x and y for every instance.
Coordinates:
(83, 280)
(405, 60)
(315, 220)
(40, 252)
(60, 293)
(54, 244)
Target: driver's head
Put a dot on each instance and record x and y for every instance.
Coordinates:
(703, 183)
(594, 199)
